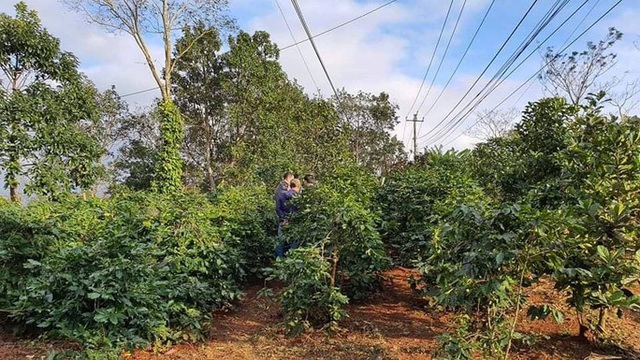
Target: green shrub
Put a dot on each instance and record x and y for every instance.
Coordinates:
(309, 299)
(479, 260)
(599, 255)
(125, 271)
(337, 216)
(413, 201)
(335, 227)
(247, 217)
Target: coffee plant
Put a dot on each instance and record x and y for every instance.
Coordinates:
(414, 201)
(338, 236)
(310, 297)
(478, 263)
(122, 272)
(246, 217)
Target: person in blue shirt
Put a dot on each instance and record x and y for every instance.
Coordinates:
(284, 208)
(279, 197)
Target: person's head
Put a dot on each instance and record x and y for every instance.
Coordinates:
(295, 185)
(287, 177)
(309, 180)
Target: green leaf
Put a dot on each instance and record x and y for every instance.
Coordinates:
(603, 253)
(499, 258)
(558, 316)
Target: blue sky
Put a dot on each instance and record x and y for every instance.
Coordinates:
(388, 50)
(398, 42)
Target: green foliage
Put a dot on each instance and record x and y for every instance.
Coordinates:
(309, 299)
(543, 132)
(337, 216)
(198, 93)
(366, 120)
(524, 164)
(246, 217)
(599, 256)
(247, 120)
(168, 166)
(413, 201)
(45, 111)
(477, 264)
(335, 227)
(134, 269)
(496, 165)
(272, 125)
(134, 164)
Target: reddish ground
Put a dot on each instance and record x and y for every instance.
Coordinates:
(393, 324)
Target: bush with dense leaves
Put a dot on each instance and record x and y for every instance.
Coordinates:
(126, 271)
(413, 201)
(599, 255)
(335, 226)
(479, 260)
(309, 299)
(247, 217)
(338, 216)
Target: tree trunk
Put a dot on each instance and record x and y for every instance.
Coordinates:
(602, 320)
(582, 328)
(168, 58)
(334, 270)
(13, 193)
(208, 128)
(14, 160)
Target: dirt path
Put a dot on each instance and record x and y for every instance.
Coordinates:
(392, 324)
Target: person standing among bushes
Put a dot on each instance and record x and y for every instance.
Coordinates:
(286, 209)
(279, 197)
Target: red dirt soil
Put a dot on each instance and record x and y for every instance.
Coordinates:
(393, 324)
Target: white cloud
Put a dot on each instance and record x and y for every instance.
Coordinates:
(384, 51)
(364, 55)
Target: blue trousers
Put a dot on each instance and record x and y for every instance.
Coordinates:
(282, 249)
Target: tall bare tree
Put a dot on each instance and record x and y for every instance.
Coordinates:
(145, 19)
(576, 74)
(626, 99)
(493, 123)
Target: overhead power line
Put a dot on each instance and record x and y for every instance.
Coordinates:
(301, 41)
(444, 56)
(339, 26)
(139, 92)
(499, 76)
(453, 125)
(424, 78)
(433, 55)
(297, 46)
(547, 63)
(595, 4)
(313, 44)
(504, 44)
(473, 38)
(491, 112)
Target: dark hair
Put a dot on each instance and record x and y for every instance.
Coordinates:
(309, 179)
(287, 174)
(296, 176)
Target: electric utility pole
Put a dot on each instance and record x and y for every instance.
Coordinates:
(415, 121)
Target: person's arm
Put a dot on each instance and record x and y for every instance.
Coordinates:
(281, 209)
